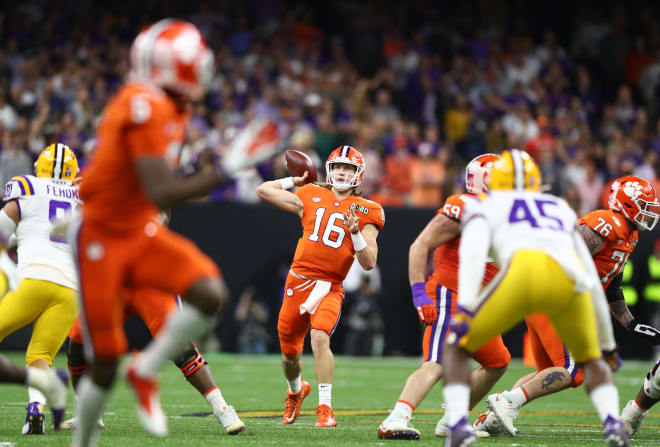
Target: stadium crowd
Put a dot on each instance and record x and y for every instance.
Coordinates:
(419, 95)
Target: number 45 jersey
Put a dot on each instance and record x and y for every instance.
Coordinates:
(620, 240)
(519, 220)
(325, 250)
(42, 202)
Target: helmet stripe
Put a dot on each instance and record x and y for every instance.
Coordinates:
(344, 151)
(150, 37)
(518, 170)
(57, 161)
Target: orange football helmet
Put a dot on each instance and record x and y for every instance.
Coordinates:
(173, 54)
(345, 155)
(635, 198)
(477, 173)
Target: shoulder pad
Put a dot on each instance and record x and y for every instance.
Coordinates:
(605, 223)
(19, 186)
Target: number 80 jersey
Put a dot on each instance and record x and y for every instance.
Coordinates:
(42, 202)
(620, 240)
(325, 250)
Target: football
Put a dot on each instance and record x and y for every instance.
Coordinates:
(297, 163)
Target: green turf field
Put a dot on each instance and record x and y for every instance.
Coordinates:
(364, 390)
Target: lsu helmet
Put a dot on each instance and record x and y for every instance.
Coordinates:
(173, 54)
(515, 169)
(635, 198)
(477, 173)
(57, 161)
(346, 155)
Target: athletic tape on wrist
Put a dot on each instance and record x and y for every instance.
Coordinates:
(359, 243)
(287, 182)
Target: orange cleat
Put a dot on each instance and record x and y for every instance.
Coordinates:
(150, 413)
(293, 403)
(325, 417)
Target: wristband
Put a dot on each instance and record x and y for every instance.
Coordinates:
(287, 183)
(359, 243)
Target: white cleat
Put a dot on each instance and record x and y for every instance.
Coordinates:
(442, 429)
(72, 424)
(632, 417)
(396, 426)
(504, 411)
(150, 412)
(230, 421)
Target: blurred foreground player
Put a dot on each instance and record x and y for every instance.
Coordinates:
(338, 226)
(129, 178)
(611, 235)
(545, 268)
(435, 302)
(47, 292)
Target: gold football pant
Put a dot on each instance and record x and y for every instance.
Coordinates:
(51, 307)
(533, 283)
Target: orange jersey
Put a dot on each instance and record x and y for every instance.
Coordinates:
(140, 121)
(620, 240)
(445, 257)
(325, 250)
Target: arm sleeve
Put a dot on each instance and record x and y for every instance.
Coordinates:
(614, 291)
(601, 308)
(473, 254)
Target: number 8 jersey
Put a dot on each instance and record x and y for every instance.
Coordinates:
(325, 250)
(42, 202)
(620, 240)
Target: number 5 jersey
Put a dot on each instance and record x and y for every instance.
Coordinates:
(325, 250)
(42, 202)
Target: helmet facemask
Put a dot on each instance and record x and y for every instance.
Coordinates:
(648, 216)
(353, 181)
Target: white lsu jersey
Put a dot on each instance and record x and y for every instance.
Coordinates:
(531, 220)
(42, 203)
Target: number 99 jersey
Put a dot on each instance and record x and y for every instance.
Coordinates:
(42, 202)
(620, 240)
(530, 220)
(325, 250)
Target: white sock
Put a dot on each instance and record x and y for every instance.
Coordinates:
(295, 385)
(37, 378)
(517, 397)
(91, 402)
(606, 400)
(404, 409)
(325, 394)
(457, 399)
(34, 395)
(216, 400)
(180, 328)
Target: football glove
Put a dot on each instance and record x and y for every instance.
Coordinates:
(425, 306)
(644, 332)
(613, 359)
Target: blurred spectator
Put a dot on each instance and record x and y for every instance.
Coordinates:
(364, 335)
(397, 172)
(252, 314)
(13, 159)
(427, 172)
(589, 188)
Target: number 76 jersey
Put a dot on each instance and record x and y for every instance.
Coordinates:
(325, 250)
(620, 240)
(42, 202)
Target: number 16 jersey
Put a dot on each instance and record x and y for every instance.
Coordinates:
(325, 250)
(42, 202)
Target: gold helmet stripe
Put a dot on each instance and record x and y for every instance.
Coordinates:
(518, 170)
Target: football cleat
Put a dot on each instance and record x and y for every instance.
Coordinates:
(614, 433)
(442, 429)
(230, 421)
(504, 411)
(632, 417)
(460, 435)
(293, 403)
(150, 413)
(397, 427)
(325, 417)
(487, 422)
(56, 394)
(72, 424)
(34, 420)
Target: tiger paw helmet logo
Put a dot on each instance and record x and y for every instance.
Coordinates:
(632, 189)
